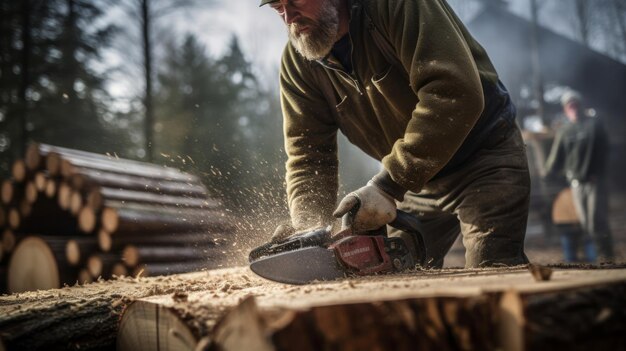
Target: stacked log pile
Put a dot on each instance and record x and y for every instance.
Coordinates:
(69, 215)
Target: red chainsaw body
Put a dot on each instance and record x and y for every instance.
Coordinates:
(363, 254)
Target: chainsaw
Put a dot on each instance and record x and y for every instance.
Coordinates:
(322, 255)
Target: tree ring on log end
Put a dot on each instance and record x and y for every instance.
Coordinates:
(33, 267)
(138, 330)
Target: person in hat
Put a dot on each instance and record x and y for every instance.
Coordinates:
(580, 152)
(405, 82)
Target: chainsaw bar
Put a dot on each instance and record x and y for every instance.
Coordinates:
(299, 266)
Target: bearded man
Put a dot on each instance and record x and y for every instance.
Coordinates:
(406, 83)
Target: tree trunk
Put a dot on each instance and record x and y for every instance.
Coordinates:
(25, 74)
(536, 62)
(148, 103)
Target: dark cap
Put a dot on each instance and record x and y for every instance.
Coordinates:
(265, 2)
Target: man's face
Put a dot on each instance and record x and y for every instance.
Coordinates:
(571, 110)
(312, 25)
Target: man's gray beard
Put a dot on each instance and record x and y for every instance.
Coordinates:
(318, 42)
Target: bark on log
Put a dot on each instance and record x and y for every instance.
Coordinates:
(98, 197)
(108, 242)
(81, 317)
(36, 153)
(3, 217)
(39, 263)
(87, 179)
(154, 219)
(69, 165)
(133, 255)
(432, 310)
(87, 317)
(584, 318)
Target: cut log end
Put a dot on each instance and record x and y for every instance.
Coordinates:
(8, 240)
(40, 181)
(33, 259)
(53, 163)
(51, 189)
(104, 241)
(72, 252)
(145, 319)
(14, 218)
(110, 219)
(31, 192)
(119, 270)
(65, 193)
(19, 170)
(76, 202)
(95, 266)
(86, 220)
(7, 192)
(130, 256)
(33, 157)
(84, 277)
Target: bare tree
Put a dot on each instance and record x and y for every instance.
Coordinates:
(620, 14)
(148, 13)
(583, 16)
(536, 60)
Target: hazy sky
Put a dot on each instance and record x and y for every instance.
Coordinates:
(261, 30)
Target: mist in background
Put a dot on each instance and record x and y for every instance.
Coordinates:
(194, 84)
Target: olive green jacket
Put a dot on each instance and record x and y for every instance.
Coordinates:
(413, 114)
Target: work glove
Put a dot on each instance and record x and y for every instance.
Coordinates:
(282, 232)
(376, 209)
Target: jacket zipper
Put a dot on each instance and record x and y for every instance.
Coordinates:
(355, 81)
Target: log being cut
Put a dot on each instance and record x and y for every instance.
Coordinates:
(232, 309)
(496, 309)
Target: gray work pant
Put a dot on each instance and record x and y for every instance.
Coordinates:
(486, 201)
(592, 206)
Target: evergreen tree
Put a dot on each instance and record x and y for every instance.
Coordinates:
(212, 117)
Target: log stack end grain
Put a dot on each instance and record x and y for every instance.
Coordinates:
(34, 260)
(87, 207)
(18, 170)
